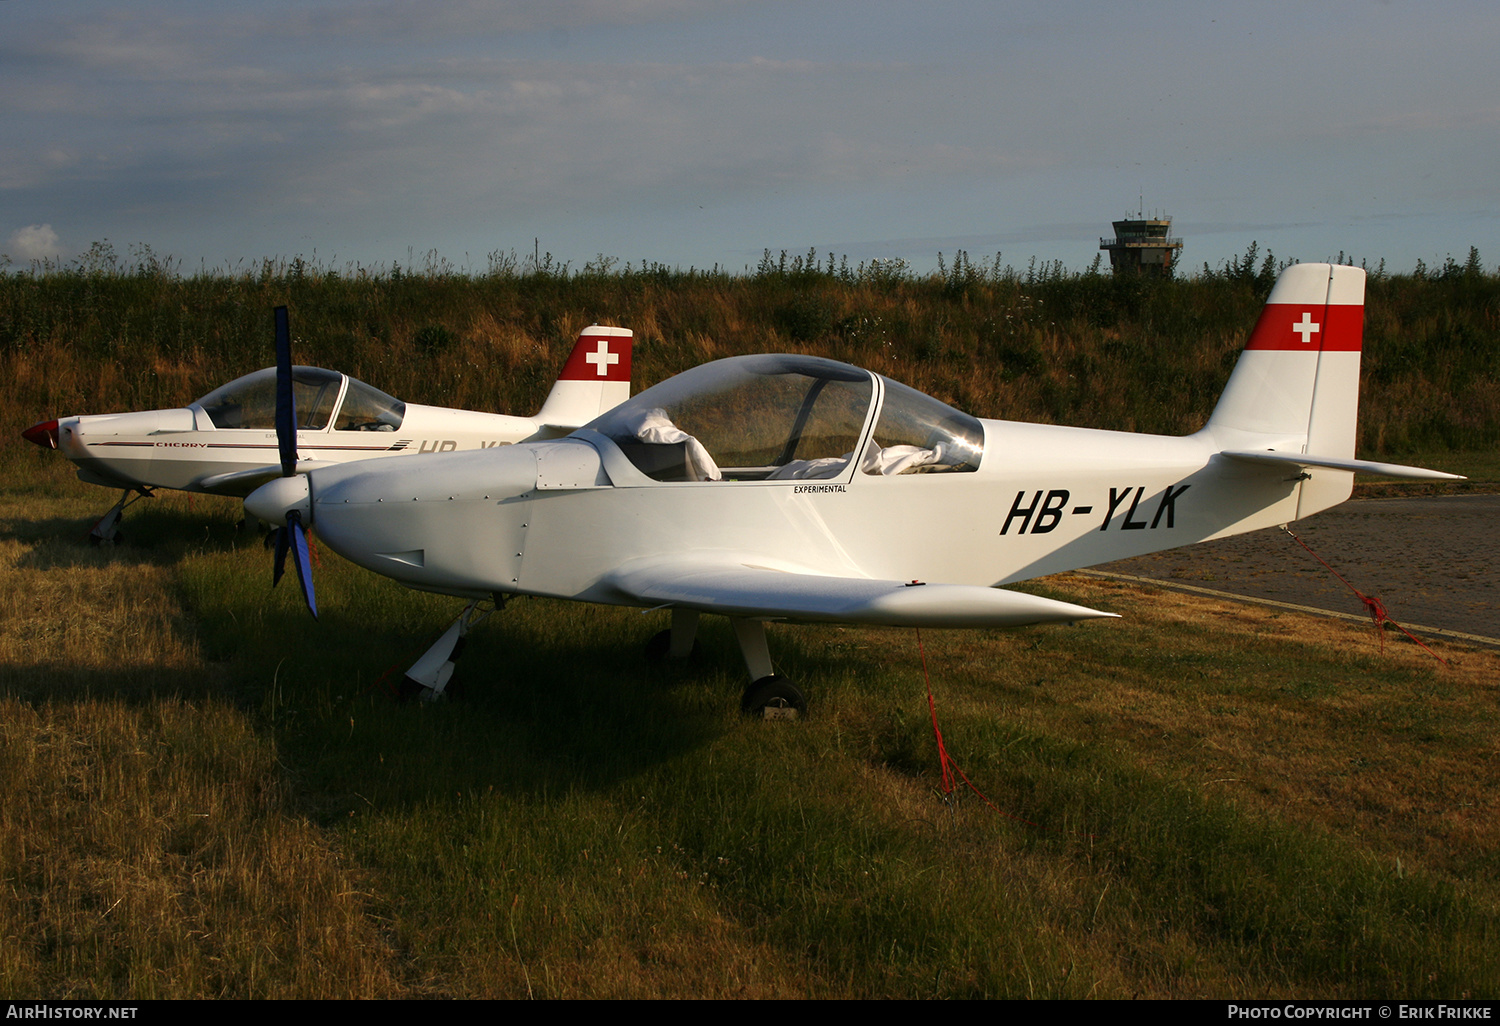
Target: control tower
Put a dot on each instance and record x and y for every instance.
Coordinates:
(1143, 245)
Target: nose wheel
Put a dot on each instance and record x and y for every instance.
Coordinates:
(429, 676)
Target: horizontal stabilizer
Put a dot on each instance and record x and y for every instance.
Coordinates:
(738, 589)
(1268, 457)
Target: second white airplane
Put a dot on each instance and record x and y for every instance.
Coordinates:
(226, 442)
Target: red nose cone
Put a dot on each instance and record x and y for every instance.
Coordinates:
(43, 434)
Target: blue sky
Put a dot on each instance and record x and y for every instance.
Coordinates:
(702, 132)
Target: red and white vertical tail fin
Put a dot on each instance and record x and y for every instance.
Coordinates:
(1295, 388)
(595, 379)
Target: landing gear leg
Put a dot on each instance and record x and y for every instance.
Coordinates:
(679, 641)
(107, 530)
(768, 697)
(429, 675)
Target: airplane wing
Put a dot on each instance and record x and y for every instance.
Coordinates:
(1270, 457)
(745, 589)
(243, 482)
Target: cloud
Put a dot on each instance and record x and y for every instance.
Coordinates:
(34, 242)
(703, 126)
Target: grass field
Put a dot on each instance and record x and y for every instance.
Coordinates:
(209, 795)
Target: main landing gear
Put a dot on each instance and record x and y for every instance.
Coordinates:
(107, 530)
(680, 641)
(768, 696)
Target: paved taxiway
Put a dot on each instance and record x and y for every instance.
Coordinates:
(1434, 562)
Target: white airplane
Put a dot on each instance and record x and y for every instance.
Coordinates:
(226, 442)
(795, 488)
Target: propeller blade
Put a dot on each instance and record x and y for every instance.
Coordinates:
(302, 560)
(293, 537)
(286, 402)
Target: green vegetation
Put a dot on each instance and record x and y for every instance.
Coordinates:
(1041, 344)
(211, 795)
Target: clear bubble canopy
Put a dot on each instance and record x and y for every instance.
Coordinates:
(320, 396)
(788, 417)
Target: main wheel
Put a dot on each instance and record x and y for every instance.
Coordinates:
(773, 698)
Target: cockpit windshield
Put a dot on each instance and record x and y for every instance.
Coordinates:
(918, 434)
(250, 402)
(368, 409)
(743, 419)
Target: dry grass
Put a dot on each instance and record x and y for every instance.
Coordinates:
(1203, 799)
(148, 846)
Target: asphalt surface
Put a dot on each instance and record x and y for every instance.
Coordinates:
(1433, 562)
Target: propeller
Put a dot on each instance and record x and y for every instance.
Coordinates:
(292, 537)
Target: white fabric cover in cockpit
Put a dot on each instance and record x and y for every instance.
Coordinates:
(885, 462)
(654, 427)
(811, 470)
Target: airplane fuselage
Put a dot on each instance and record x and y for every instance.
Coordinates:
(562, 518)
(182, 449)
(226, 443)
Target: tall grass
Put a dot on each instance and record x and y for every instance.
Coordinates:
(1043, 343)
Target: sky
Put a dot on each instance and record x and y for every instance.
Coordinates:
(705, 132)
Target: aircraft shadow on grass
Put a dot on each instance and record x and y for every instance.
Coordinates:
(159, 537)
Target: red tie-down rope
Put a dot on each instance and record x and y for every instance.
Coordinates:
(1378, 616)
(949, 766)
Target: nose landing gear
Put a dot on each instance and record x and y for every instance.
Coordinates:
(107, 530)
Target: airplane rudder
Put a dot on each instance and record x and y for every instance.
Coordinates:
(1333, 421)
(1346, 310)
(595, 378)
(1270, 391)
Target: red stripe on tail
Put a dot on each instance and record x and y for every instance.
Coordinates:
(1309, 328)
(598, 358)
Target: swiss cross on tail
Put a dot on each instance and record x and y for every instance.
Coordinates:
(599, 357)
(1298, 377)
(1309, 328)
(596, 378)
